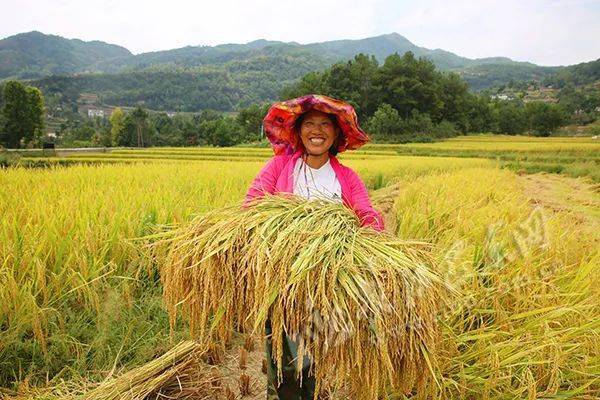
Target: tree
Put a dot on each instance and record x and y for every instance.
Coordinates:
(250, 121)
(190, 129)
(480, 114)
(204, 134)
(117, 126)
(544, 118)
(512, 119)
(353, 82)
(455, 101)
(222, 131)
(444, 129)
(406, 83)
(419, 123)
(385, 123)
(34, 114)
(129, 137)
(14, 113)
(23, 114)
(227, 132)
(2, 124)
(165, 130)
(311, 83)
(140, 118)
(2, 119)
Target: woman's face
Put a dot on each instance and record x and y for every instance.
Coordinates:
(317, 132)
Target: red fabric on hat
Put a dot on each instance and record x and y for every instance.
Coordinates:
(279, 122)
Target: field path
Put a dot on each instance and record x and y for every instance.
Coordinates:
(579, 197)
(576, 196)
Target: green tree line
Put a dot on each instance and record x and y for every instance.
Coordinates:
(142, 128)
(402, 100)
(407, 99)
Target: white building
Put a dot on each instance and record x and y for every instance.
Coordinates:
(92, 112)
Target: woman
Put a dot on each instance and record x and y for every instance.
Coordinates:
(306, 134)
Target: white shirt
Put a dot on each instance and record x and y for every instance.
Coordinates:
(312, 183)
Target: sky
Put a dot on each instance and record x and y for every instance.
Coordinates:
(545, 32)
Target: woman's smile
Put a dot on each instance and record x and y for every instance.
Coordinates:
(317, 140)
(318, 132)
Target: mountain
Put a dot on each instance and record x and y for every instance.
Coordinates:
(483, 76)
(34, 54)
(222, 77)
(575, 75)
(384, 45)
(201, 56)
(324, 54)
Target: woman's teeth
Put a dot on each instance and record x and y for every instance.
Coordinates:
(317, 141)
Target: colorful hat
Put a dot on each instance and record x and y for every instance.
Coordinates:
(279, 122)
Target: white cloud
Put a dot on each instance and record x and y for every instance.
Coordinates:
(153, 24)
(546, 32)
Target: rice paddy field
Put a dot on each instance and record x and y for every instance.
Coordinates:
(514, 223)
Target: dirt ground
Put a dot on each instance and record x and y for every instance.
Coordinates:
(233, 370)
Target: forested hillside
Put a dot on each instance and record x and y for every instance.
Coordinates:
(243, 73)
(34, 54)
(576, 75)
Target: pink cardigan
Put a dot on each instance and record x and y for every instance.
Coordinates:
(277, 176)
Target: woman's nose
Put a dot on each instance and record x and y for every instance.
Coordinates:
(318, 128)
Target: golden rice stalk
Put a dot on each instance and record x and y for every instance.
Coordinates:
(177, 374)
(361, 304)
(243, 358)
(244, 385)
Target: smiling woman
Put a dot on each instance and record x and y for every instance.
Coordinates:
(306, 134)
(314, 145)
(319, 130)
(313, 175)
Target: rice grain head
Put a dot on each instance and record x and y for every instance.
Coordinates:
(361, 304)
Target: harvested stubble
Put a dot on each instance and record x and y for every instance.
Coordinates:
(362, 304)
(178, 374)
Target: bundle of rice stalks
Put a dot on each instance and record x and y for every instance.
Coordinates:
(178, 374)
(361, 304)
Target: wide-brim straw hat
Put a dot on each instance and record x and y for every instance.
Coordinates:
(279, 123)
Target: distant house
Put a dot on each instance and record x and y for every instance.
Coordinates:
(501, 97)
(94, 112)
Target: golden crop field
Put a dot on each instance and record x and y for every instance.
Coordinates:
(572, 156)
(79, 299)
